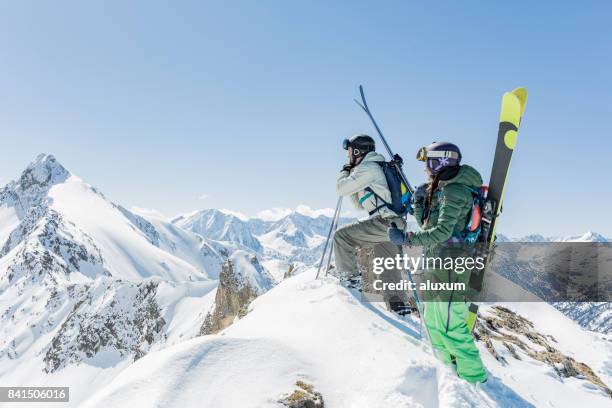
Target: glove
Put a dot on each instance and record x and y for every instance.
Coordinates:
(398, 159)
(347, 167)
(396, 235)
(419, 194)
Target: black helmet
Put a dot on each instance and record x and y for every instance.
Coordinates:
(361, 144)
(439, 155)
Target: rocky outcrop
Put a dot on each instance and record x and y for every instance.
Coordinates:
(289, 272)
(304, 396)
(116, 317)
(51, 245)
(505, 328)
(241, 280)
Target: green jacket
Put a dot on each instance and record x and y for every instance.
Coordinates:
(446, 311)
(448, 212)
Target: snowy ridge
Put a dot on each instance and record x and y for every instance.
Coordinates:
(354, 353)
(220, 226)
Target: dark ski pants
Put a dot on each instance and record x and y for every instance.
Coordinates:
(367, 233)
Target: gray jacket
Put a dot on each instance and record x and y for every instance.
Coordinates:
(368, 173)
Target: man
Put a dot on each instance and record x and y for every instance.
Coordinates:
(364, 181)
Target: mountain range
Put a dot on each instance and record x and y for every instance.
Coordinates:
(88, 287)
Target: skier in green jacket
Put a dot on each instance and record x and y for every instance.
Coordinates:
(441, 208)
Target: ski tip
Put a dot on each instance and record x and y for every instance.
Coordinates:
(521, 94)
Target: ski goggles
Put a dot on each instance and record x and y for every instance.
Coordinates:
(345, 144)
(423, 154)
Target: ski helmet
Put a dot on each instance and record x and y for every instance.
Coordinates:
(361, 144)
(439, 155)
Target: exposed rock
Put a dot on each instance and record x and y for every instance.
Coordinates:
(289, 271)
(304, 396)
(241, 280)
(51, 245)
(118, 317)
(508, 329)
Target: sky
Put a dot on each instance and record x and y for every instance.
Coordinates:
(243, 105)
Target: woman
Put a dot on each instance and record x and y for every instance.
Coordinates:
(442, 207)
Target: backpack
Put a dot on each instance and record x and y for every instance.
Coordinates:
(473, 226)
(400, 195)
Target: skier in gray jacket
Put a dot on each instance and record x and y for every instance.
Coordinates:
(363, 180)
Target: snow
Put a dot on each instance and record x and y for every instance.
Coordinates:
(356, 354)
(588, 236)
(273, 214)
(239, 215)
(127, 251)
(8, 222)
(213, 371)
(588, 347)
(185, 307)
(188, 247)
(246, 267)
(276, 267)
(149, 213)
(218, 225)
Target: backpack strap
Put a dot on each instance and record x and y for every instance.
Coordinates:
(366, 196)
(377, 198)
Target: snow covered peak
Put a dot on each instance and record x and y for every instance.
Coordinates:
(588, 236)
(220, 226)
(34, 183)
(278, 213)
(247, 270)
(534, 238)
(31, 189)
(43, 170)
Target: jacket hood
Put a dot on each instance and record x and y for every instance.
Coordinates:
(467, 176)
(373, 157)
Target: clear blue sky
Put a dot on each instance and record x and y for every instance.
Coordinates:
(158, 103)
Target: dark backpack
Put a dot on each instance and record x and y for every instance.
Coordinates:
(400, 196)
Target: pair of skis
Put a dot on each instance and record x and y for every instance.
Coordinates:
(512, 109)
(410, 191)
